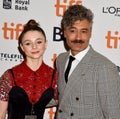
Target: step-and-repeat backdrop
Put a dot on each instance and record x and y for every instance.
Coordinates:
(15, 13)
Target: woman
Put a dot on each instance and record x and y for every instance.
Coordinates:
(27, 88)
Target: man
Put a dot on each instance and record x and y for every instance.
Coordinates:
(92, 88)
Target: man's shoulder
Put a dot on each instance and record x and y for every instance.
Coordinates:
(63, 54)
(99, 58)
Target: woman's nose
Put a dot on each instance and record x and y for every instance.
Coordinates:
(34, 45)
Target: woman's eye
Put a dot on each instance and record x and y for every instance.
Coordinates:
(27, 43)
(39, 42)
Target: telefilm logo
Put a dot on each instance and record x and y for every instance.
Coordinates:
(113, 40)
(111, 10)
(16, 5)
(11, 57)
(62, 5)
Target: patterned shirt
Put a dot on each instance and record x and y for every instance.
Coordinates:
(33, 82)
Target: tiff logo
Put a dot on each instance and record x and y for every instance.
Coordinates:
(12, 31)
(62, 5)
(113, 41)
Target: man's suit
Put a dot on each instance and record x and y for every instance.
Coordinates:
(92, 90)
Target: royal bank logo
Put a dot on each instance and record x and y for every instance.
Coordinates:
(7, 4)
(20, 5)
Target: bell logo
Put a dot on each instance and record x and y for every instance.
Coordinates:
(113, 41)
(12, 32)
(60, 7)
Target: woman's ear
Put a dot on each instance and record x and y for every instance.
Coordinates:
(21, 47)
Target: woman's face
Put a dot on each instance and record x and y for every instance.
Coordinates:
(33, 44)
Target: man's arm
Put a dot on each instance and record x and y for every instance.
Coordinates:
(109, 90)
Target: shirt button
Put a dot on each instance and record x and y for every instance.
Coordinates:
(33, 100)
(34, 86)
(77, 98)
(34, 93)
(35, 79)
(71, 114)
(60, 110)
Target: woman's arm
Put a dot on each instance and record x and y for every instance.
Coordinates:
(3, 109)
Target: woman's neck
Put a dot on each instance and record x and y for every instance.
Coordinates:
(34, 64)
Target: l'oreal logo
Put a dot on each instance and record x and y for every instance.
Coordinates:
(111, 10)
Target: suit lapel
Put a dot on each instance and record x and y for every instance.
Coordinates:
(61, 81)
(77, 74)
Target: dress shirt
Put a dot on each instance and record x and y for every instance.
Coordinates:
(78, 58)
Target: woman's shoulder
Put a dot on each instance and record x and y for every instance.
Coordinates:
(47, 67)
(6, 73)
(18, 66)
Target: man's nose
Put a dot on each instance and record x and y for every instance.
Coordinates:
(78, 35)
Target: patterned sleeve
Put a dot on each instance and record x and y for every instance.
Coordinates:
(5, 86)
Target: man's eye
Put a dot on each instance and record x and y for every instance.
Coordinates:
(72, 30)
(84, 31)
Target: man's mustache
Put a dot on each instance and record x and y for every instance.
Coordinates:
(77, 41)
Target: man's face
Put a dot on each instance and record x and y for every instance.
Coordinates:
(78, 35)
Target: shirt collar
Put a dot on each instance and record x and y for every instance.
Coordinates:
(26, 69)
(81, 54)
